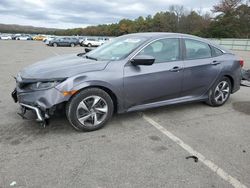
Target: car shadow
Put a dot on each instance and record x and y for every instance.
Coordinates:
(25, 131)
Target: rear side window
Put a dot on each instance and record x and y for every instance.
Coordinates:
(216, 51)
(197, 50)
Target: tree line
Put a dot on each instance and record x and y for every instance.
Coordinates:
(232, 20)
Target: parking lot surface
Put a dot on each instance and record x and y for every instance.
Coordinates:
(130, 151)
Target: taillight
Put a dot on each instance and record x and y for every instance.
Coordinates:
(241, 63)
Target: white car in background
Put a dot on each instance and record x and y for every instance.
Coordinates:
(24, 37)
(48, 39)
(6, 37)
(90, 42)
(94, 42)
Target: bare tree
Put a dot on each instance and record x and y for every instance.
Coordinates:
(177, 9)
(226, 6)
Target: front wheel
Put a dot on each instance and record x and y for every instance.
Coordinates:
(72, 45)
(220, 92)
(55, 44)
(89, 109)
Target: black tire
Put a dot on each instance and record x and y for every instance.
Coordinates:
(55, 44)
(72, 109)
(212, 95)
(89, 45)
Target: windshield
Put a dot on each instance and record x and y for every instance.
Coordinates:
(116, 49)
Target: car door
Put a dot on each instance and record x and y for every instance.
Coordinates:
(63, 42)
(158, 82)
(60, 41)
(201, 69)
(95, 42)
(67, 41)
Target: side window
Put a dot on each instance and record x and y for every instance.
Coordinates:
(216, 51)
(197, 50)
(163, 50)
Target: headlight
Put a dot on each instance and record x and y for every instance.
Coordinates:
(43, 85)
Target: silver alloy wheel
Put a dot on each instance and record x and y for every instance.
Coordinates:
(72, 45)
(221, 92)
(92, 110)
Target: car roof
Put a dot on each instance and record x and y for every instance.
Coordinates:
(156, 35)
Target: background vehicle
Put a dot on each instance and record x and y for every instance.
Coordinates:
(48, 38)
(92, 42)
(5, 37)
(39, 37)
(14, 36)
(132, 72)
(24, 37)
(64, 41)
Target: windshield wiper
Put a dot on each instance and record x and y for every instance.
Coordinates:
(93, 58)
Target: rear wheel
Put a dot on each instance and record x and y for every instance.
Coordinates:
(89, 45)
(220, 92)
(55, 44)
(90, 109)
(72, 45)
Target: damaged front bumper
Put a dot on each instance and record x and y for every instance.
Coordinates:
(40, 117)
(43, 102)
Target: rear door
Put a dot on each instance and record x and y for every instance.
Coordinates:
(201, 69)
(61, 42)
(158, 82)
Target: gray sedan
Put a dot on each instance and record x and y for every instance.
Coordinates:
(132, 72)
(63, 41)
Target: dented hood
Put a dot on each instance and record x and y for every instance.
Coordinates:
(61, 67)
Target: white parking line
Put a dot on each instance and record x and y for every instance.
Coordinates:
(220, 172)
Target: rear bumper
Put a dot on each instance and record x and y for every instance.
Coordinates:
(236, 82)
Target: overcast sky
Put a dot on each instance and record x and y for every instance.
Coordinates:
(82, 13)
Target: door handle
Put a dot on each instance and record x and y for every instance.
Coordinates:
(175, 69)
(215, 62)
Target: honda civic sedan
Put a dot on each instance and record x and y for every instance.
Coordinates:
(132, 72)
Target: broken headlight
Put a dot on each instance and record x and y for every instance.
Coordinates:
(43, 85)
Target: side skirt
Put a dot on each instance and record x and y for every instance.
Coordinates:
(168, 102)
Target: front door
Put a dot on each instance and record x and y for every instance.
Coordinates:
(158, 82)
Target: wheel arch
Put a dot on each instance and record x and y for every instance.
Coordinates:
(104, 88)
(231, 81)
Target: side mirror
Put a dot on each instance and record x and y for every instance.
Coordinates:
(143, 60)
(88, 50)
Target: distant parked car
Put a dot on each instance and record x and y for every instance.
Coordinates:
(14, 36)
(24, 37)
(6, 37)
(39, 37)
(48, 39)
(90, 42)
(64, 41)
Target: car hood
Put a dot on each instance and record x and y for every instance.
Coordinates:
(61, 67)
